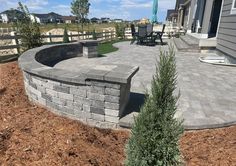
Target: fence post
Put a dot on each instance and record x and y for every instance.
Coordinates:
(71, 37)
(84, 35)
(109, 35)
(50, 37)
(15, 42)
(103, 34)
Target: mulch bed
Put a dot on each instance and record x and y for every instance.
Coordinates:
(31, 135)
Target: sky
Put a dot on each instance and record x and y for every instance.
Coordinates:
(124, 9)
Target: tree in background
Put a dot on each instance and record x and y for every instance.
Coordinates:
(65, 36)
(28, 30)
(155, 134)
(80, 8)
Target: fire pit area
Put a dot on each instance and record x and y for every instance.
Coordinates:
(96, 96)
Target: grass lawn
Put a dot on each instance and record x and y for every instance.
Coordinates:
(107, 47)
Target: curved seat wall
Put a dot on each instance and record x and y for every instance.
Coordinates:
(96, 97)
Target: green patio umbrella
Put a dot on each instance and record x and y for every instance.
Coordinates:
(154, 11)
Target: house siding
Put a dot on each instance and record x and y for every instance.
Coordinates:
(226, 39)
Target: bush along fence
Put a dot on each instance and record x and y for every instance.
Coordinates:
(53, 39)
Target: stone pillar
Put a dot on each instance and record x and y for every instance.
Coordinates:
(206, 19)
(191, 12)
(90, 49)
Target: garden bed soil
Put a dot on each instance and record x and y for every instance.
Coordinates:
(31, 135)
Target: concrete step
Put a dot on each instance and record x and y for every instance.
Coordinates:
(183, 47)
(189, 40)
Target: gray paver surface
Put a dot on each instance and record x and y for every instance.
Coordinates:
(208, 92)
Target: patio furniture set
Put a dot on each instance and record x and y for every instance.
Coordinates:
(146, 35)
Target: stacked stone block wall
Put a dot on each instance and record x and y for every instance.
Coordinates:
(96, 103)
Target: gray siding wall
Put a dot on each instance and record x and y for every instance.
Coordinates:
(226, 40)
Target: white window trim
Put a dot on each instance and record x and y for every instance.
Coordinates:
(233, 9)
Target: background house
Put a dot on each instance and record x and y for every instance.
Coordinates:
(210, 25)
(226, 38)
(95, 20)
(172, 15)
(105, 20)
(69, 19)
(46, 18)
(10, 15)
(118, 20)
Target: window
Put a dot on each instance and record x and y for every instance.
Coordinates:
(233, 10)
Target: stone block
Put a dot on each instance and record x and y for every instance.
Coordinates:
(98, 117)
(113, 106)
(62, 89)
(86, 108)
(77, 106)
(51, 92)
(59, 101)
(42, 101)
(96, 74)
(96, 89)
(111, 119)
(78, 92)
(113, 92)
(41, 89)
(97, 110)
(37, 81)
(112, 99)
(67, 110)
(65, 96)
(97, 104)
(96, 96)
(83, 115)
(32, 85)
(52, 105)
(34, 91)
(111, 112)
(46, 97)
(82, 100)
(103, 84)
(117, 77)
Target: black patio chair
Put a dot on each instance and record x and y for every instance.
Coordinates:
(159, 34)
(150, 35)
(134, 33)
(142, 34)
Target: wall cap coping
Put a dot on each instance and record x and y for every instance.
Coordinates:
(117, 73)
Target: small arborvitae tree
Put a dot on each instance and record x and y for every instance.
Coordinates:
(120, 30)
(65, 36)
(28, 30)
(155, 134)
(94, 35)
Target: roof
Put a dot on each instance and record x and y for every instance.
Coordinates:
(69, 18)
(170, 13)
(51, 14)
(12, 13)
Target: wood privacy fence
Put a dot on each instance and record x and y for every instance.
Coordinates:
(53, 39)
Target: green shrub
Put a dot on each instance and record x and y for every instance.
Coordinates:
(155, 134)
(94, 35)
(120, 30)
(28, 30)
(65, 36)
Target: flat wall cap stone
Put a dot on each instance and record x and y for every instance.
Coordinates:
(88, 43)
(116, 73)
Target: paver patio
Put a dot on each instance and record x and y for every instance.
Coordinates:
(208, 93)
